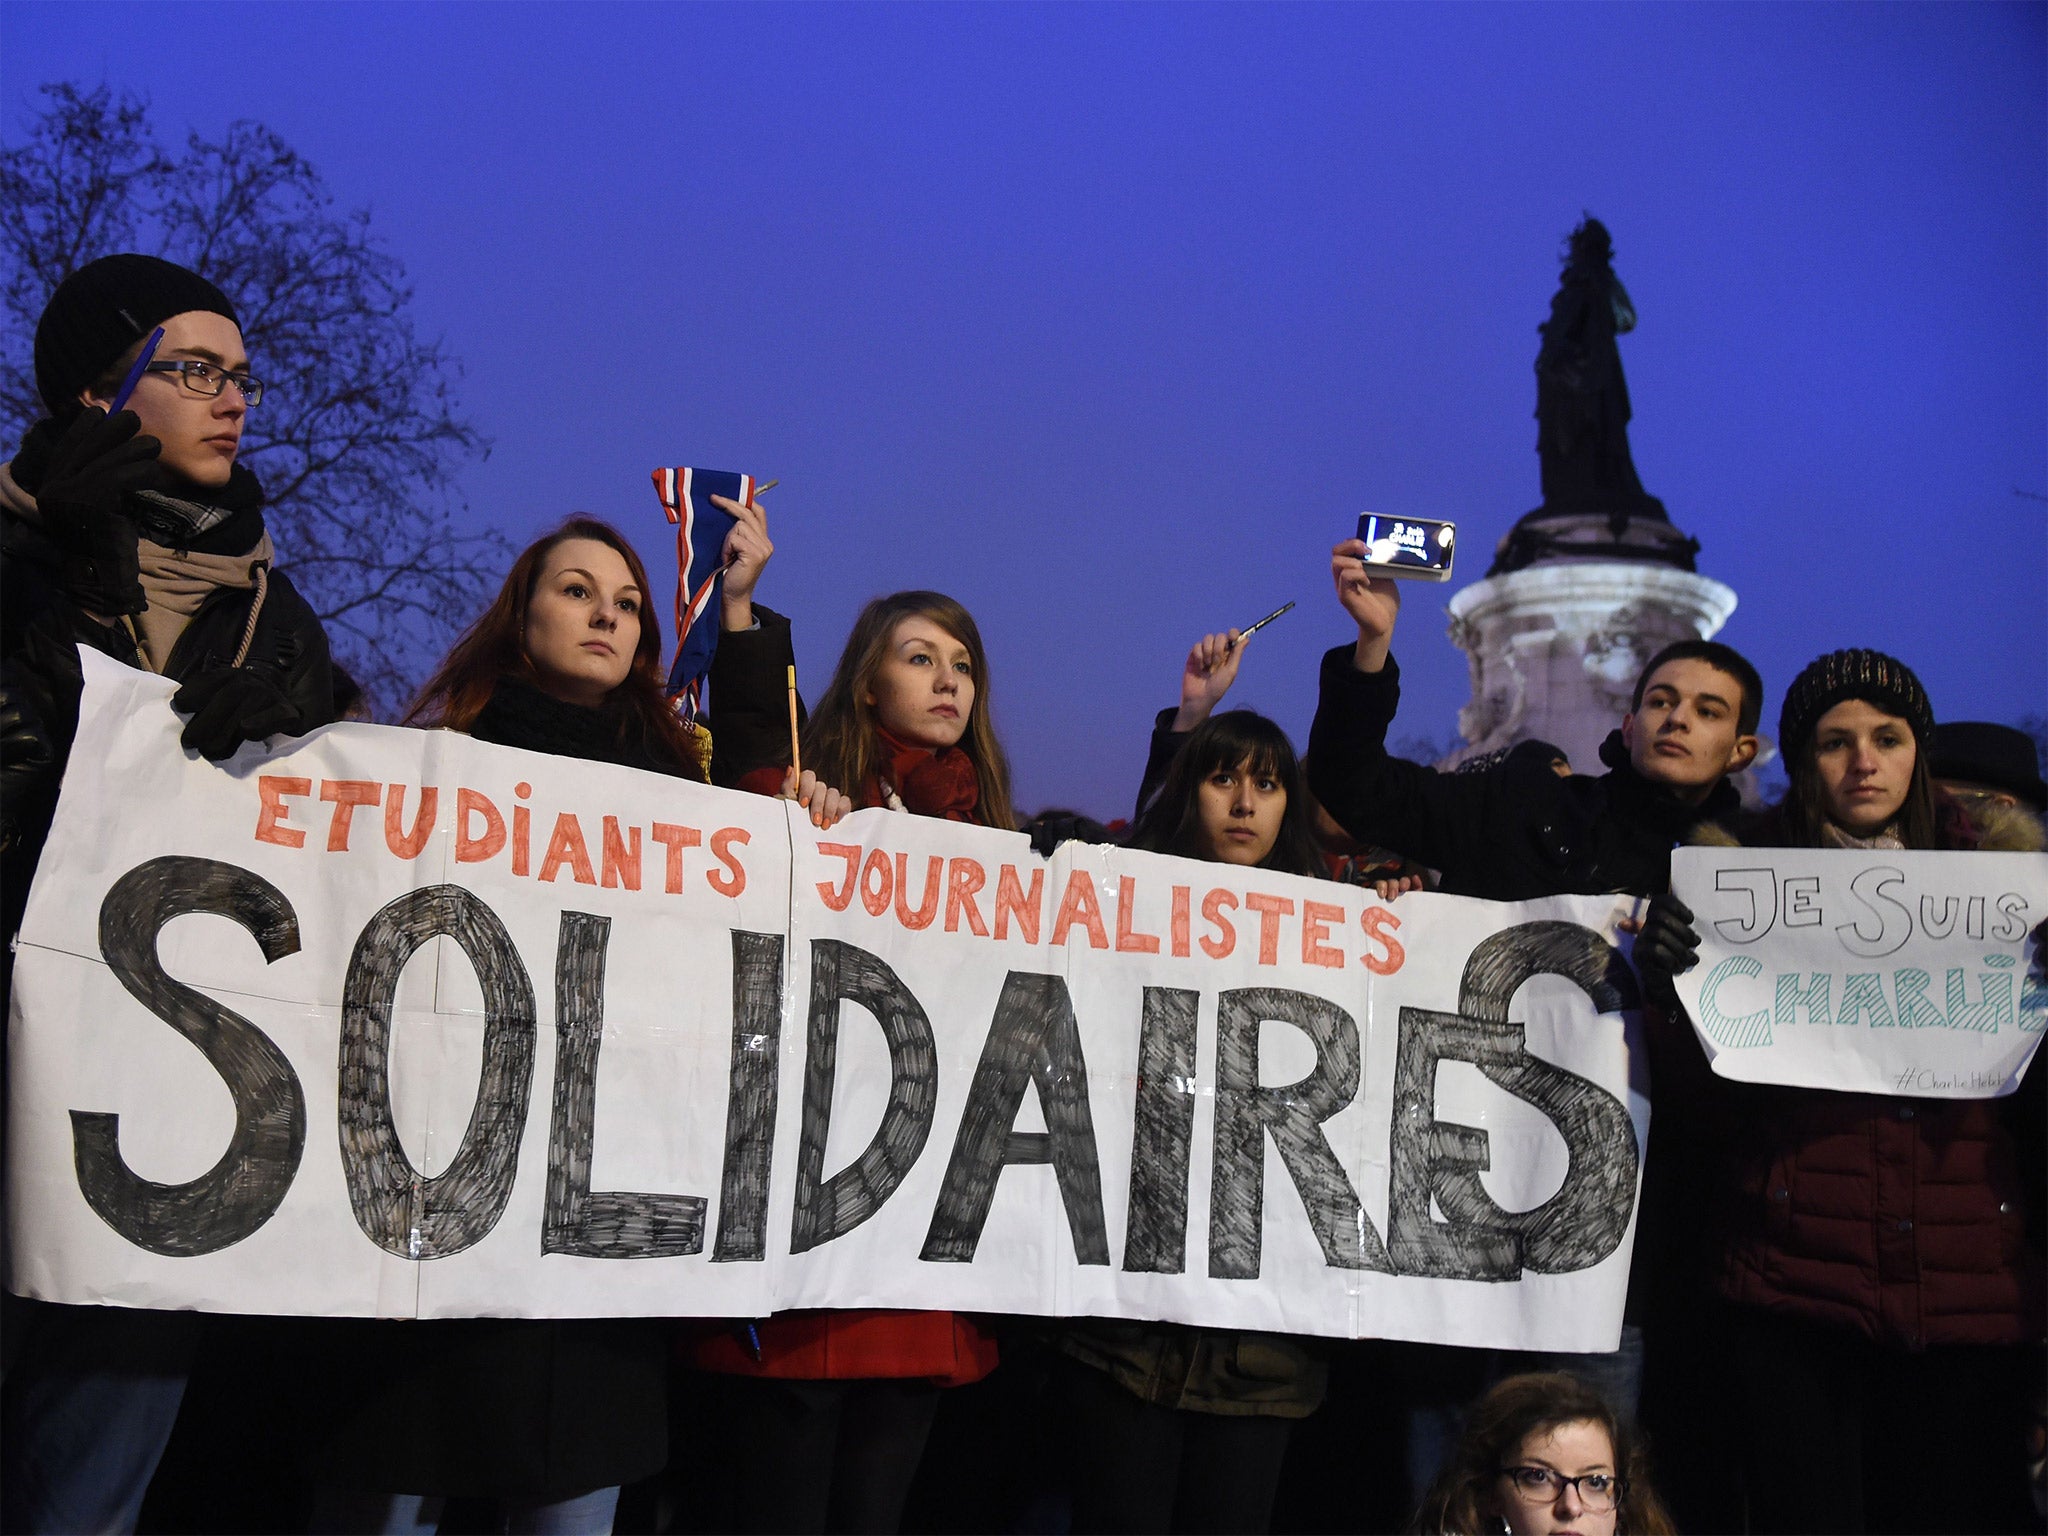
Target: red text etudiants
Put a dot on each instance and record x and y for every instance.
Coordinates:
(965, 895)
(659, 856)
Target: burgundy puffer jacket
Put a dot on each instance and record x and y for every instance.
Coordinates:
(1912, 1221)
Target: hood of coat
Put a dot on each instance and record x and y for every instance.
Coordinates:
(2009, 829)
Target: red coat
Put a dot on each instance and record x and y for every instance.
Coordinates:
(1906, 1220)
(1902, 1219)
(945, 1347)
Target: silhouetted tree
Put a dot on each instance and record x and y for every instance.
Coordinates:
(357, 441)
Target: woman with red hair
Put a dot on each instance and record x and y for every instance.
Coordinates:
(546, 1417)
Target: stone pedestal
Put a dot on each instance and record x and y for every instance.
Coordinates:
(1555, 648)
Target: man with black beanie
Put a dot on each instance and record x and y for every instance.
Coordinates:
(138, 534)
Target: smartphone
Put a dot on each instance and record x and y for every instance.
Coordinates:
(1413, 548)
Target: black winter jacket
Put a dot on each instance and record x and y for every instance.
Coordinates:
(521, 1408)
(41, 628)
(1513, 833)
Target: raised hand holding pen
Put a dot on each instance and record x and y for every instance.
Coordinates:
(1211, 669)
(747, 552)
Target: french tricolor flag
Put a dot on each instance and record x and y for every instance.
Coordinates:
(700, 548)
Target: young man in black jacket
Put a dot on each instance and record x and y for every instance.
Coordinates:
(136, 533)
(1518, 831)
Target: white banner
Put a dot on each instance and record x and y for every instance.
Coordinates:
(1877, 972)
(397, 1023)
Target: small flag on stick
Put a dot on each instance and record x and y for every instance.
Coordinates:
(700, 548)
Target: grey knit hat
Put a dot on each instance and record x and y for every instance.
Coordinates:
(102, 310)
(1871, 676)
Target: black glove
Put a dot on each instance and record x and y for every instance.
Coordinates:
(28, 759)
(83, 504)
(1666, 946)
(233, 705)
(1048, 830)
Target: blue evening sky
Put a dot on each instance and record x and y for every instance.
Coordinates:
(1109, 319)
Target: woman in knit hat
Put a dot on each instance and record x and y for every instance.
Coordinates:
(137, 533)
(1856, 731)
(1881, 1257)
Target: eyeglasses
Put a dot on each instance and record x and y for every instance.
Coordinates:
(209, 380)
(1599, 1492)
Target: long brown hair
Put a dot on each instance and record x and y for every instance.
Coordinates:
(495, 647)
(1465, 1499)
(842, 742)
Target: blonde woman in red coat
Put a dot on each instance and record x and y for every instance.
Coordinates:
(827, 1413)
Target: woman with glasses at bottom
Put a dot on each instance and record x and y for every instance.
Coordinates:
(1544, 1453)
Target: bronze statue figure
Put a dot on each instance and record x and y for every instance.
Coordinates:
(1582, 416)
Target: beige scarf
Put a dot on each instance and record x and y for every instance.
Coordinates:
(175, 581)
(1888, 837)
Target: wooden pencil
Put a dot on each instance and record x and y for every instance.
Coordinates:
(796, 758)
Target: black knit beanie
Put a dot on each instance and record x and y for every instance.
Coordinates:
(1871, 676)
(102, 310)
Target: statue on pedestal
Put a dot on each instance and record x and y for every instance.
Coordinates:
(1594, 582)
(1582, 416)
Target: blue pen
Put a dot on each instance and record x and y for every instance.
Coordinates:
(135, 374)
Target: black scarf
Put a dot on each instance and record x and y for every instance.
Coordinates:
(520, 715)
(1653, 804)
(209, 520)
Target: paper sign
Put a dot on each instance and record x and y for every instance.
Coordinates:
(1876, 972)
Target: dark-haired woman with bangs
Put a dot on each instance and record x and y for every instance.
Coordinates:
(1309, 844)
(547, 1418)
(1234, 794)
(1178, 1428)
